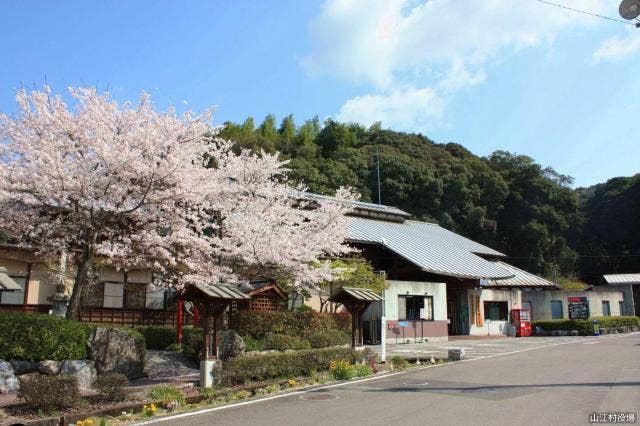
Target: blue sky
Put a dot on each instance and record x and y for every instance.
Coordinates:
(516, 75)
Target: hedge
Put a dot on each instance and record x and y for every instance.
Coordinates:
(158, 337)
(586, 325)
(36, 337)
(244, 369)
(283, 342)
(258, 324)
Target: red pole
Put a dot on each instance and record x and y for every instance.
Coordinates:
(179, 321)
(196, 315)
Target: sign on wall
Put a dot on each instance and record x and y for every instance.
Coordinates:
(578, 307)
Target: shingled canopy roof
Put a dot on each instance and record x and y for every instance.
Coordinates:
(204, 292)
(353, 293)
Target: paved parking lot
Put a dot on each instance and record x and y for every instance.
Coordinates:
(480, 348)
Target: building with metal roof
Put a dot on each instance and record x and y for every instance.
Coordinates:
(521, 278)
(622, 278)
(430, 247)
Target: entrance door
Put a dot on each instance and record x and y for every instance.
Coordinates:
(451, 317)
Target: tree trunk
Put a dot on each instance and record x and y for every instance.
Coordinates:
(79, 284)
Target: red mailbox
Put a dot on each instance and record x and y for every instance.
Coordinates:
(521, 320)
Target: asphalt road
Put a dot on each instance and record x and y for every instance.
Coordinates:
(548, 385)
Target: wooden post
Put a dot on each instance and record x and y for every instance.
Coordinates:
(179, 320)
(354, 324)
(207, 334)
(196, 314)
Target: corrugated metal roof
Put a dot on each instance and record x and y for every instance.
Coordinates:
(622, 278)
(363, 294)
(521, 278)
(377, 208)
(430, 247)
(6, 282)
(221, 291)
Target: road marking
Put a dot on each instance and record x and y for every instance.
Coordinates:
(368, 379)
(590, 343)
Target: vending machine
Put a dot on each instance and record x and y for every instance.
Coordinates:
(521, 320)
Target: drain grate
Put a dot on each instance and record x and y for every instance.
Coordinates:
(318, 396)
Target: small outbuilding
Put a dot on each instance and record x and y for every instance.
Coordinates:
(356, 301)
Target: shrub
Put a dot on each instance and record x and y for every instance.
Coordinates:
(167, 396)
(329, 338)
(192, 343)
(548, 325)
(47, 393)
(398, 362)
(282, 342)
(259, 324)
(360, 370)
(175, 347)
(611, 322)
(341, 370)
(156, 337)
(282, 365)
(111, 386)
(251, 344)
(587, 325)
(37, 337)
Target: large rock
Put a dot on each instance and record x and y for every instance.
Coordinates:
(50, 368)
(231, 345)
(24, 367)
(456, 354)
(116, 351)
(8, 381)
(84, 371)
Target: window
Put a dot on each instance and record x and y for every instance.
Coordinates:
(134, 295)
(155, 297)
(14, 297)
(621, 307)
(94, 295)
(113, 294)
(496, 311)
(556, 309)
(415, 308)
(606, 309)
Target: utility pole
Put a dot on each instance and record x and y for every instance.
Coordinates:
(378, 166)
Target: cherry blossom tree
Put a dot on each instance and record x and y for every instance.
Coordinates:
(131, 187)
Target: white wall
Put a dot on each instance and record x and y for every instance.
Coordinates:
(416, 288)
(490, 327)
(541, 301)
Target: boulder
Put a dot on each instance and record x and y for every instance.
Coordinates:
(84, 371)
(8, 381)
(50, 368)
(24, 367)
(231, 345)
(456, 354)
(116, 351)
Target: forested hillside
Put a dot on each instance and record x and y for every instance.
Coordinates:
(507, 201)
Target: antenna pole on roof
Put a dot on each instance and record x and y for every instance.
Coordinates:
(378, 166)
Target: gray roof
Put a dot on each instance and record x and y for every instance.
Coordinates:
(221, 291)
(6, 282)
(359, 205)
(430, 247)
(363, 294)
(521, 278)
(622, 278)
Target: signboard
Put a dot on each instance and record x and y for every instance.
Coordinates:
(403, 323)
(578, 307)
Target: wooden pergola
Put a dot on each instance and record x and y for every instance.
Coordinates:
(356, 301)
(213, 300)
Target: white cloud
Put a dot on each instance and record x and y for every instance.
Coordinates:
(618, 47)
(408, 108)
(387, 45)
